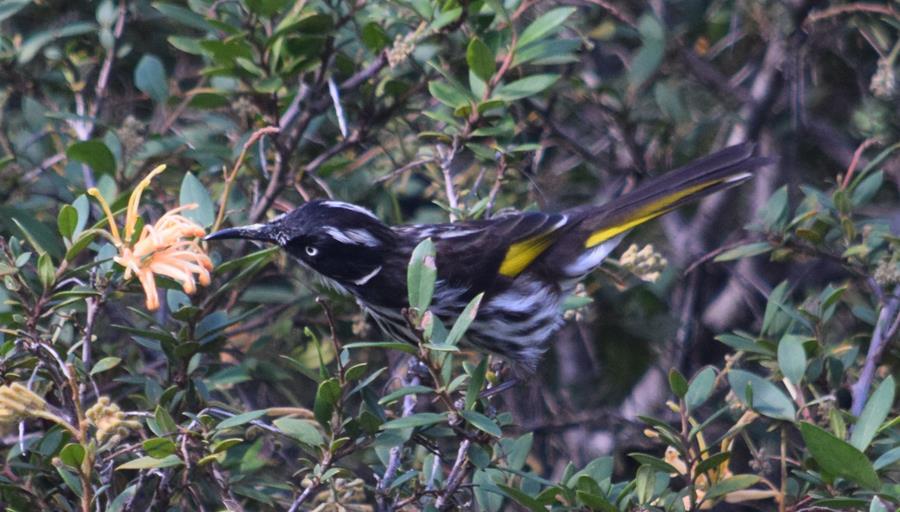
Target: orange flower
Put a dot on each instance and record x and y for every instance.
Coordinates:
(169, 247)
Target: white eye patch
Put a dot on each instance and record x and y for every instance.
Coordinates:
(352, 236)
(312, 251)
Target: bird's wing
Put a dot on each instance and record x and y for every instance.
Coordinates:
(478, 251)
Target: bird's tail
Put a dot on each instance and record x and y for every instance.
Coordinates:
(723, 169)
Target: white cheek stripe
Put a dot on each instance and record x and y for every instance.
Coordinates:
(368, 277)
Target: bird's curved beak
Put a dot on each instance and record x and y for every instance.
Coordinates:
(261, 232)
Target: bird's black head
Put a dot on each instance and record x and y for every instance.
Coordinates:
(340, 241)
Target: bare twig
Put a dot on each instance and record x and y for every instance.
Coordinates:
(498, 181)
(338, 109)
(446, 161)
(838, 10)
(393, 465)
(457, 474)
(229, 178)
(401, 170)
(888, 320)
(855, 161)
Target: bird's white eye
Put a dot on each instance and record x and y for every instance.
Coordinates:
(311, 251)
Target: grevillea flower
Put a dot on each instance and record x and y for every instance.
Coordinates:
(169, 247)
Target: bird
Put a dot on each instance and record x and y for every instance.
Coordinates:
(525, 263)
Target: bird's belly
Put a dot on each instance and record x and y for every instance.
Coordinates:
(516, 324)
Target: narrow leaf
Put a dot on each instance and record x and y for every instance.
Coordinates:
(839, 458)
(873, 415)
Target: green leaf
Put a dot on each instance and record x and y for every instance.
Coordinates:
(476, 381)
(183, 16)
(464, 320)
(266, 8)
(302, 430)
(700, 388)
(193, 192)
(150, 78)
(776, 212)
(448, 94)
(774, 306)
(654, 462)
(731, 484)
(390, 345)
(522, 498)
(482, 422)
(71, 480)
(10, 7)
(744, 251)
(767, 399)
(887, 458)
(867, 188)
(712, 462)
(83, 209)
(480, 59)
(151, 463)
(544, 25)
(72, 454)
(669, 100)
(107, 363)
(46, 271)
(240, 419)
(792, 357)
(122, 499)
(374, 37)
(650, 55)
(38, 40)
(873, 414)
(677, 383)
(524, 87)
(645, 484)
(95, 154)
(164, 420)
(547, 52)
(838, 457)
(39, 235)
(80, 243)
(159, 447)
(421, 276)
(422, 419)
(67, 220)
(406, 390)
(327, 397)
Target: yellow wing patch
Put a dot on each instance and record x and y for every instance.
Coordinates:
(521, 254)
(645, 213)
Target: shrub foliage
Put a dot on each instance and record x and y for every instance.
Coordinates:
(142, 369)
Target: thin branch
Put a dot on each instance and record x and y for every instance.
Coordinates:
(855, 161)
(457, 474)
(615, 12)
(393, 465)
(338, 109)
(401, 170)
(838, 10)
(446, 169)
(229, 178)
(888, 319)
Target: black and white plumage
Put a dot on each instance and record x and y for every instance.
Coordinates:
(526, 264)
